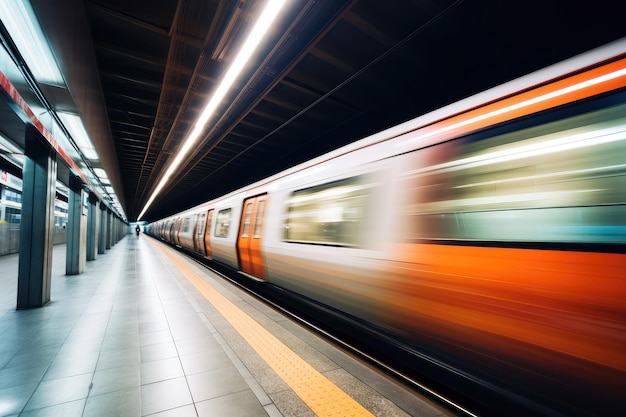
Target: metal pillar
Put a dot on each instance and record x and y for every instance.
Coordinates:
(113, 229)
(92, 228)
(103, 229)
(76, 253)
(109, 235)
(37, 222)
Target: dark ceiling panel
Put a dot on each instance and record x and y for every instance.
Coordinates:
(331, 73)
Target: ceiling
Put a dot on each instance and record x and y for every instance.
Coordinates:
(331, 72)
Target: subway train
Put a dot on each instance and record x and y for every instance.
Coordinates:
(490, 233)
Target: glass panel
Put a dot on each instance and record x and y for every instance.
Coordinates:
(259, 219)
(222, 226)
(246, 221)
(200, 225)
(561, 181)
(332, 214)
(13, 215)
(14, 196)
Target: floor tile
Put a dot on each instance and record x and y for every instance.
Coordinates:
(67, 367)
(216, 383)
(70, 409)
(119, 357)
(158, 351)
(124, 403)
(122, 329)
(150, 317)
(240, 404)
(151, 326)
(202, 344)
(12, 377)
(189, 331)
(13, 399)
(115, 379)
(73, 349)
(186, 411)
(161, 370)
(119, 342)
(58, 391)
(151, 338)
(25, 359)
(196, 363)
(164, 395)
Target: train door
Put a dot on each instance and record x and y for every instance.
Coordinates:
(207, 235)
(249, 240)
(198, 233)
(171, 231)
(178, 223)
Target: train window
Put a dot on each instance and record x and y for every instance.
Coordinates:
(259, 220)
(329, 214)
(186, 225)
(223, 223)
(200, 222)
(246, 221)
(561, 181)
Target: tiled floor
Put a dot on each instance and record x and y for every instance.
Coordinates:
(121, 339)
(131, 337)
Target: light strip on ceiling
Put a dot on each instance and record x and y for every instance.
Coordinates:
(267, 17)
(102, 176)
(75, 126)
(6, 146)
(20, 21)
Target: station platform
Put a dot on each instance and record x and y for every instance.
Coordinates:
(145, 331)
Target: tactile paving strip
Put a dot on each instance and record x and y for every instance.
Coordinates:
(320, 394)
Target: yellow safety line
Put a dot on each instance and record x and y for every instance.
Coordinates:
(321, 395)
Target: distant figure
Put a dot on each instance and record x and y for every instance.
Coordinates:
(137, 230)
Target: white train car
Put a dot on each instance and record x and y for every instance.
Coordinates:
(492, 231)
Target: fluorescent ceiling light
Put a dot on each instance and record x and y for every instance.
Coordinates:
(22, 24)
(102, 175)
(75, 126)
(269, 14)
(6, 146)
(18, 159)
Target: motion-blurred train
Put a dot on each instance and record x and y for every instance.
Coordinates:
(491, 232)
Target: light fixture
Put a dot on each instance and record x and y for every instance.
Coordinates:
(267, 17)
(6, 146)
(16, 158)
(75, 126)
(20, 21)
(102, 176)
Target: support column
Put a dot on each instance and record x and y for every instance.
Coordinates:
(103, 229)
(37, 223)
(109, 236)
(92, 228)
(113, 229)
(76, 253)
